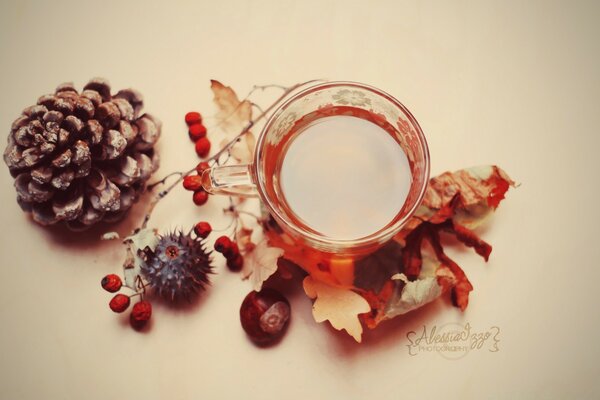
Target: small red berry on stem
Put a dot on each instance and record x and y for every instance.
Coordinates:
(200, 197)
(192, 182)
(232, 251)
(140, 314)
(202, 229)
(201, 167)
(222, 244)
(202, 147)
(111, 283)
(119, 303)
(197, 131)
(235, 263)
(193, 117)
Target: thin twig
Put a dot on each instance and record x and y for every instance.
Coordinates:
(258, 219)
(263, 87)
(162, 194)
(163, 180)
(259, 108)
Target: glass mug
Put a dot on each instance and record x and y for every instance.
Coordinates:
(262, 177)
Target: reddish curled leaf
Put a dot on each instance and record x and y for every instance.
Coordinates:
(452, 201)
(482, 184)
(411, 254)
(469, 238)
(462, 287)
(412, 257)
(467, 195)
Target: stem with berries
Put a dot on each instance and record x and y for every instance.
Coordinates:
(177, 265)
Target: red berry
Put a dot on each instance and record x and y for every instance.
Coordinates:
(200, 197)
(193, 117)
(119, 303)
(111, 283)
(265, 316)
(202, 229)
(202, 147)
(192, 182)
(140, 314)
(197, 131)
(201, 167)
(222, 244)
(232, 251)
(235, 263)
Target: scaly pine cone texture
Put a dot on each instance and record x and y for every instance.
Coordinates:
(82, 157)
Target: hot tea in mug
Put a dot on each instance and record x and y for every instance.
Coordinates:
(340, 166)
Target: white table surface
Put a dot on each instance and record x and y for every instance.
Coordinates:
(509, 82)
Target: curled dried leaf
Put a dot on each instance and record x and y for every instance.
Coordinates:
(412, 294)
(479, 189)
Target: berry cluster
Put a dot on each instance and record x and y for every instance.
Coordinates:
(223, 245)
(141, 311)
(231, 252)
(197, 132)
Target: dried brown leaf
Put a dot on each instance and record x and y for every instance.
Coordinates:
(261, 263)
(480, 190)
(233, 116)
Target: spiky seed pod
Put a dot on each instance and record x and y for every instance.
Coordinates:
(82, 157)
(178, 267)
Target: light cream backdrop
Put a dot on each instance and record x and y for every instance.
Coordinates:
(513, 83)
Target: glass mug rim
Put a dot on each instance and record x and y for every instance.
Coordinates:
(326, 243)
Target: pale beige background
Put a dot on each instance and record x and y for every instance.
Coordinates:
(514, 83)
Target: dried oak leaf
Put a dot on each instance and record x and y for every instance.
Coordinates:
(261, 263)
(233, 116)
(340, 307)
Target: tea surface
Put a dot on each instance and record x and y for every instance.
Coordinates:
(344, 177)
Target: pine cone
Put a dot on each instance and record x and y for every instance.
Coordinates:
(82, 157)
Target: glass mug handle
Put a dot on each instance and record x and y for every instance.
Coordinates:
(233, 180)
